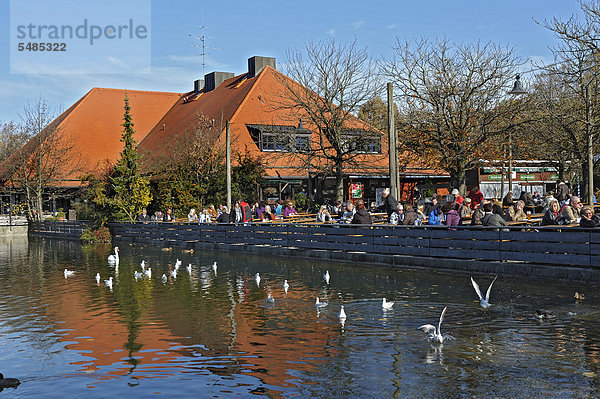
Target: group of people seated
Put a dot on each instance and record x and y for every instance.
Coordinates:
(473, 209)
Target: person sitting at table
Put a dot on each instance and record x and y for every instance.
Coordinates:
(527, 199)
(516, 213)
(453, 217)
(323, 215)
(552, 215)
(465, 209)
(267, 214)
(398, 215)
(589, 218)
(490, 218)
(572, 210)
(279, 209)
(536, 198)
(458, 199)
(204, 216)
(144, 217)
(289, 210)
(410, 216)
(420, 214)
(192, 216)
(361, 216)
(224, 216)
(349, 214)
(508, 199)
(478, 214)
(547, 200)
(436, 217)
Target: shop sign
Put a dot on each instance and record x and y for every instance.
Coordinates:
(554, 177)
(527, 177)
(495, 177)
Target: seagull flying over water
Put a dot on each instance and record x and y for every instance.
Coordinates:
(69, 273)
(386, 305)
(484, 302)
(435, 334)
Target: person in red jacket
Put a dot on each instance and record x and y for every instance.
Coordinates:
(476, 197)
(246, 211)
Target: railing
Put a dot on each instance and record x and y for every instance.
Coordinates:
(567, 246)
(70, 230)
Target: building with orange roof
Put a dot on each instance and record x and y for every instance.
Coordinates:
(252, 105)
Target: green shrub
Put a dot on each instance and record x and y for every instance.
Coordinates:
(99, 235)
(301, 202)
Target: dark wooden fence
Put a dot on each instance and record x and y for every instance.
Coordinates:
(67, 229)
(541, 246)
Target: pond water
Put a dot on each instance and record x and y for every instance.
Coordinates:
(208, 334)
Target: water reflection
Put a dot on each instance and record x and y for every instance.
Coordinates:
(219, 332)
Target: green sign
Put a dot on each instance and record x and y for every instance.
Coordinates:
(554, 177)
(494, 177)
(527, 177)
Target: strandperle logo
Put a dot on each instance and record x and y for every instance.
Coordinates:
(85, 31)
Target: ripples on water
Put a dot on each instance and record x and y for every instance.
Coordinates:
(207, 335)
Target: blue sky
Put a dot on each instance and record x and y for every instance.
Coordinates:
(237, 30)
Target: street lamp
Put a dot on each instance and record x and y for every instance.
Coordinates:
(516, 91)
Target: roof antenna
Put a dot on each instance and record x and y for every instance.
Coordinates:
(202, 44)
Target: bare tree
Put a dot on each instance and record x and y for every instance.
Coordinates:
(453, 100)
(329, 83)
(46, 159)
(12, 137)
(577, 67)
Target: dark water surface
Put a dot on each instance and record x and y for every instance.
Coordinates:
(207, 335)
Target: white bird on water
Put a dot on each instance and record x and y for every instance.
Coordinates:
(286, 286)
(138, 275)
(109, 282)
(386, 305)
(69, 273)
(435, 334)
(114, 259)
(143, 264)
(189, 269)
(177, 264)
(319, 304)
(342, 314)
(174, 273)
(214, 267)
(270, 298)
(164, 278)
(257, 278)
(148, 272)
(484, 302)
(97, 278)
(326, 276)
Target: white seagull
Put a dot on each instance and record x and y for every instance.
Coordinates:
(97, 278)
(270, 298)
(109, 282)
(138, 275)
(164, 278)
(143, 264)
(174, 273)
(148, 272)
(319, 304)
(286, 286)
(69, 273)
(189, 269)
(386, 305)
(257, 278)
(326, 276)
(342, 314)
(114, 259)
(435, 334)
(214, 267)
(484, 302)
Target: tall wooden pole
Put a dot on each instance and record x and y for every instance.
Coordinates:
(228, 161)
(393, 143)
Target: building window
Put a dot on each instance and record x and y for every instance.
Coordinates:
(361, 143)
(277, 138)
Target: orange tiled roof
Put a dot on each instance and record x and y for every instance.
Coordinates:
(243, 101)
(94, 125)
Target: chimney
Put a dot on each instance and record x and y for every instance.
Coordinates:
(198, 85)
(256, 64)
(214, 79)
